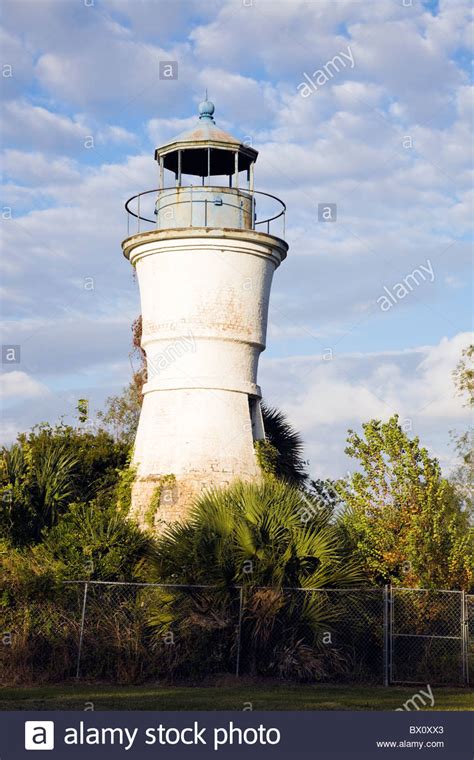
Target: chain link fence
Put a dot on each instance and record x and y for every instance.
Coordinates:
(427, 636)
(137, 632)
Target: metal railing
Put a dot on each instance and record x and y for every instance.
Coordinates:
(146, 208)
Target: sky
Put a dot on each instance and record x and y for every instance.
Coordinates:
(384, 135)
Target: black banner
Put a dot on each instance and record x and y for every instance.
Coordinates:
(229, 735)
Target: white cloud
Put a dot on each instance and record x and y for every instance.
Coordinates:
(41, 129)
(116, 135)
(149, 21)
(37, 169)
(324, 398)
(19, 385)
(68, 345)
(117, 72)
(17, 65)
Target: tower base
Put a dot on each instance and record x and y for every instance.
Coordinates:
(158, 502)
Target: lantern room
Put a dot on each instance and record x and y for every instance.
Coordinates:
(206, 179)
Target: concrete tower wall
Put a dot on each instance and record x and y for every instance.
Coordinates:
(204, 296)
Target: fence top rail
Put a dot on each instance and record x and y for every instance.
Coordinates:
(202, 585)
(428, 590)
(144, 583)
(348, 589)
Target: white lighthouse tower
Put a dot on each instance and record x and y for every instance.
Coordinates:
(205, 260)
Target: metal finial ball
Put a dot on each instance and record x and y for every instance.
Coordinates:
(206, 109)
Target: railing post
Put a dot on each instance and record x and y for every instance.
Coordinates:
(239, 631)
(138, 220)
(205, 212)
(236, 169)
(81, 635)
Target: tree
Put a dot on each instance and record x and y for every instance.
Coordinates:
(327, 493)
(122, 413)
(462, 476)
(463, 375)
(404, 521)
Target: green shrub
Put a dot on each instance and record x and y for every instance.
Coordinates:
(94, 541)
(251, 536)
(48, 469)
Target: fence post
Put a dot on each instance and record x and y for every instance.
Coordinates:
(239, 631)
(465, 639)
(386, 636)
(81, 635)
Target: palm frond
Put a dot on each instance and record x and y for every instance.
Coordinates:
(288, 443)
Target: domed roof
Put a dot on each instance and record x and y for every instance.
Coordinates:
(201, 137)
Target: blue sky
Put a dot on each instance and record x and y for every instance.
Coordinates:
(387, 139)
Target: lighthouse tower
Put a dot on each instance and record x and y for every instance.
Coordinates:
(205, 247)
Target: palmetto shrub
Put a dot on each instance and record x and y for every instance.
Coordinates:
(250, 543)
(47, 470)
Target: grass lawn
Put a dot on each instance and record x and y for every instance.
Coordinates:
(226, 697)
